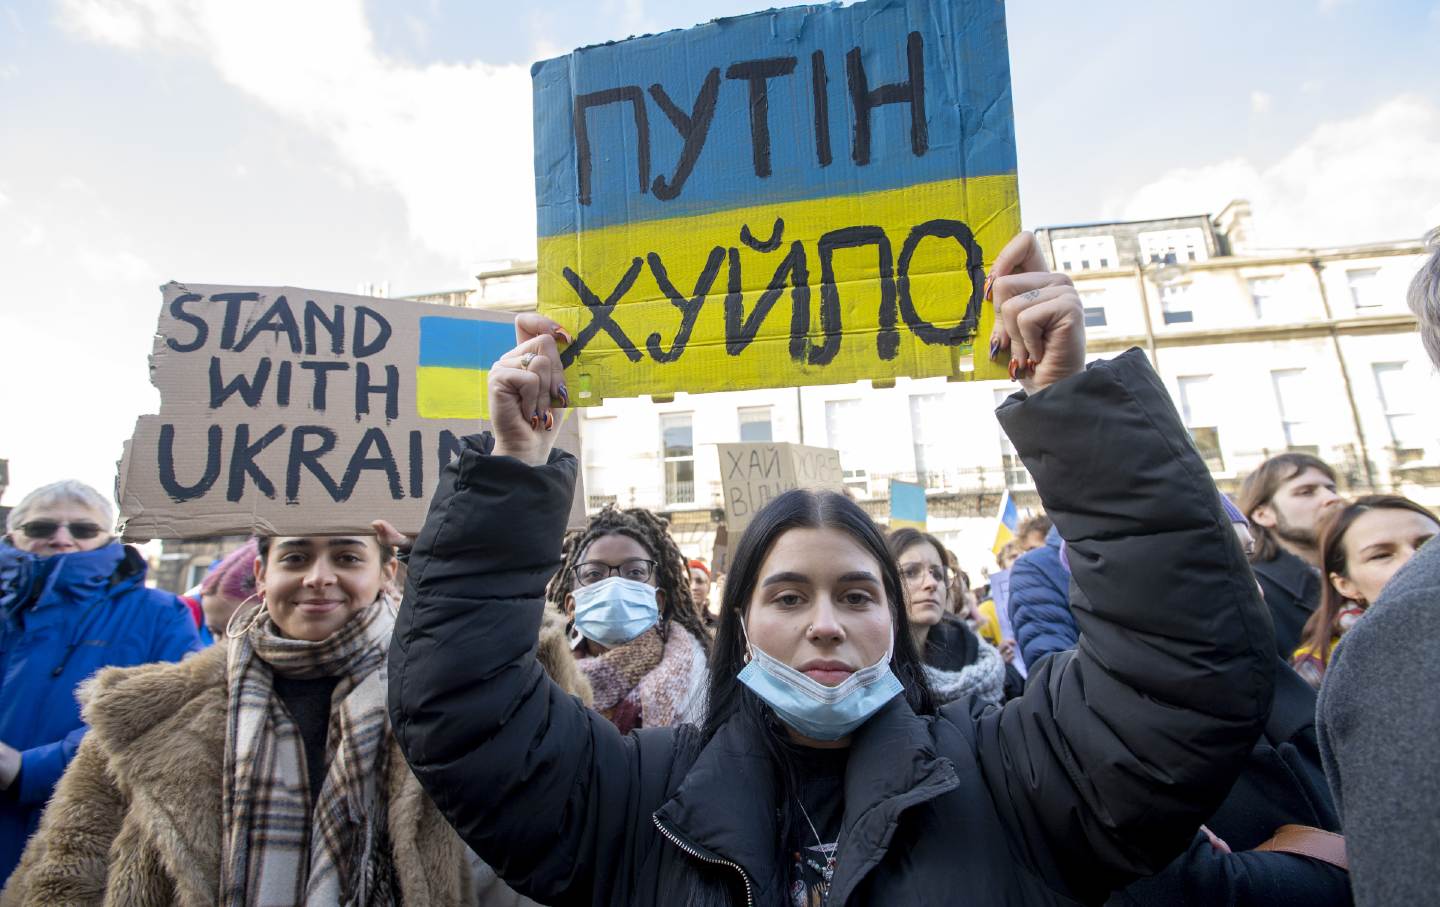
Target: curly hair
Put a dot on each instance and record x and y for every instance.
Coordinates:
(672, 573)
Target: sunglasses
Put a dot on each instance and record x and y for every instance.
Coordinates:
(44, 529)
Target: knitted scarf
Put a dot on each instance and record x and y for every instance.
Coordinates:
(983, 678)
(649, 681)
(278, 850)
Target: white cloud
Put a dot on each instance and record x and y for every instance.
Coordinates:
(1259, 102)
(454, 141)
(1364, 179)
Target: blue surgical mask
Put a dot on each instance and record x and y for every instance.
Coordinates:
(810, 707)
(615, 610)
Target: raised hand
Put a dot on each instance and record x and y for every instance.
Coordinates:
(1041, 321)
(526, 385)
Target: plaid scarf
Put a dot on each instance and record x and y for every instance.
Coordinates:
(279, 851)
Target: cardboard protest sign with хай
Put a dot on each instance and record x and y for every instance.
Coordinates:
(799, 196)
(297, 412)
(753, 474)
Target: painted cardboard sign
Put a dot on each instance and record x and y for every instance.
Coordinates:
(907, 505)
(297, 412)
(755, 473)
(800, 196)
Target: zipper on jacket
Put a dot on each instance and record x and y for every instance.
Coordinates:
(691, 851)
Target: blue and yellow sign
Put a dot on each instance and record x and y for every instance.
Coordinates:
(455, 359)
(801, 196)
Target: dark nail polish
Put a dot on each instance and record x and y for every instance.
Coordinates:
(565, 394)
(534, 422)
(1014, 365)
(563, 335)
(994, 347)
(989, 286)
(549, 421)
(1030, 365)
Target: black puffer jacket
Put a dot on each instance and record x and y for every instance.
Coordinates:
(1101, 771)
(1292, 592)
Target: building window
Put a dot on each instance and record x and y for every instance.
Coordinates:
(1173, 246)
(1364, 287)
(601, 442)
(1089, 253)
(1201, 412)
(1094, 303)
(1292, 399)
(677, 450)
(1265, 295)
(843, 429)
(755, 423)
(1016, 475)
(195, 575)
(1175, 305)
(932, 423)
(1397, 400)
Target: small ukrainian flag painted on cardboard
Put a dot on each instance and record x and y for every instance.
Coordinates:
(455, 359)
(907, 505)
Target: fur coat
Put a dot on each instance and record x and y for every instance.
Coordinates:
(136, 819)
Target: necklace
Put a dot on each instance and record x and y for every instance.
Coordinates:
(829, 873)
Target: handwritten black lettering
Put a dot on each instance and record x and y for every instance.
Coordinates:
(321, 370)
(360, 461)
(584, 102)
(689, 308)
(602, 315)
(202, 330)
(334, 326)
(364, 346)
(303, 456)
(178, 492)
(363, 390)
(758, 73)
(692, 128)
(974, 266)
(277, 319)
(777, 234)
(819, 92)
(282, 383)
(249, 389)
(850, 238)
(242, 462)
(232, 315)
(417, 465)
(865, 100)
(791, 272)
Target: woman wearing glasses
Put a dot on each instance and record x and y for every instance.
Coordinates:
(634, 628)
(824, 772)
(72, 600)
(957, 662)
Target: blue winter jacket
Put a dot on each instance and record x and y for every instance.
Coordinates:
(62, 618)
(1040, 602)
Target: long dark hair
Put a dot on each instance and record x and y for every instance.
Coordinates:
(672, 571)
(1320, 628)
(802, 509)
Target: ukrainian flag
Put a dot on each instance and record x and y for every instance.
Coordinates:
(1009, 519)
(455, 359)
(907, 505)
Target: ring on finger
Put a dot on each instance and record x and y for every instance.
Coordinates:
(526, 359)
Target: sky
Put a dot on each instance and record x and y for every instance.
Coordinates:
(334, 144)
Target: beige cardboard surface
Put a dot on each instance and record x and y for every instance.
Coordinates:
(286, 411)
(753, 474)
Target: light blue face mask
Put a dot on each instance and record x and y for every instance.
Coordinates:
(810, 707)
(615, 610)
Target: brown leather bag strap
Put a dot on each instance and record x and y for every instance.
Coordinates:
(1307, 841)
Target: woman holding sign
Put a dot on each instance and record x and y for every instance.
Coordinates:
(824, 771)
(263, 769)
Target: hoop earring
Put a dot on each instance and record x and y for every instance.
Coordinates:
(231, 631)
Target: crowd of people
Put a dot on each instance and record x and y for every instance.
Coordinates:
(1160, 696)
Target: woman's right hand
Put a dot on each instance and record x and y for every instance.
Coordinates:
(526, 385)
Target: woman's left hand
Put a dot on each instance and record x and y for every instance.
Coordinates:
(1041, 321)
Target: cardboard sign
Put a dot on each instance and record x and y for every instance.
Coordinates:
(754, 474)
(801, 196)
(297, 412)
(907, 505)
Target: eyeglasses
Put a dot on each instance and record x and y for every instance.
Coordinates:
(913, 573)
(44, 529)
(591, 572)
